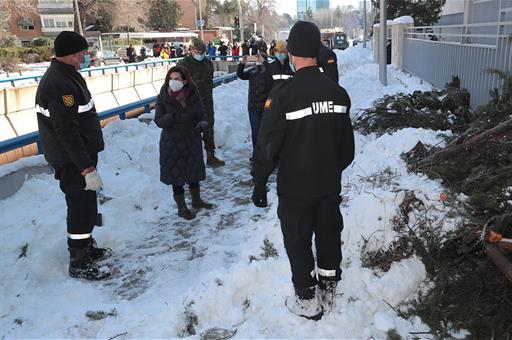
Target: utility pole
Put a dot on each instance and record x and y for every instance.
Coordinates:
(200, 20)
(364, 23)
(80, 30)
(383, 76)
(241, 22)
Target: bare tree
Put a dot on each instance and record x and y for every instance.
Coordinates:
(11, 9)
(131, 15)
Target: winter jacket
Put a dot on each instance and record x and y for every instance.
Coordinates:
(307, 133)
(181, 152)
(280, 72)
(260, 84)
(328, 61)
(202, 75)
(69, 126)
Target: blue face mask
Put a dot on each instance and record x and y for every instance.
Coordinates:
(292, 67)
(281, 56)
(87, 62)
(198, 57)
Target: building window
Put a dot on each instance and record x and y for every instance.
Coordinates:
(70, 24)
(26, 24)
(48, 23)
(61, 24)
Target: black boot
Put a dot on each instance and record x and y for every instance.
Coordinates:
(305, 303)
(213, 161)
(82, 265)
(98, 254)
(197, 202)
(182, 207)
(327, 293)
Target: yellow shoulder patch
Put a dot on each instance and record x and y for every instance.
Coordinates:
(330, 61)
(268, 103)
(68, 100)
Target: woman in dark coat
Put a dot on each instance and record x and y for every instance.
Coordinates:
(180, 113)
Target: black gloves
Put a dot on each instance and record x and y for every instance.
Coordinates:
(259, 195)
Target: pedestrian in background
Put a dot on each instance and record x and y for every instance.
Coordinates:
(200, 69)
(280, 69)
(328, 63)
(260, 83)
(180, 113)
(71, 138)
(307, 133)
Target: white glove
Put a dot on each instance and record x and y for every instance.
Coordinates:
(93, 181)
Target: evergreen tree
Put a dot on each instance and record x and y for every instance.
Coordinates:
(164, 15)
(424, 12)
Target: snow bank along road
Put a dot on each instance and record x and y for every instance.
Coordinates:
(177, 278)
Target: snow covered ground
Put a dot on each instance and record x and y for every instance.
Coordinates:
(177, 278)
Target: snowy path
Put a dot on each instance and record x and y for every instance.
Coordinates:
(177, 278)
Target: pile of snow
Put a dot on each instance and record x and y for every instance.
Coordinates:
(175, 277)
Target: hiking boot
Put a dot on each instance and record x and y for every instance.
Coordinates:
(305, 304)
(82, 266)
(213, 161)
(98, 254)
(197, 202)
(182, 208)
(327, 294)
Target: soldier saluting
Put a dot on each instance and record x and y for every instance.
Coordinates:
(307, 134)
(71, 138)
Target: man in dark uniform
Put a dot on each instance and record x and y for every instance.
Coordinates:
(280, 68)
(71, 138)
(307, 133)
(328, 63)
(201, 71)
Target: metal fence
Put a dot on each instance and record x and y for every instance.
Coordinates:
(437, 53)
(33, 137)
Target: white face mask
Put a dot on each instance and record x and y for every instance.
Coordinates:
(175, 85)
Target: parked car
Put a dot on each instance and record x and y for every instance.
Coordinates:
(121, 51)
(104, 58)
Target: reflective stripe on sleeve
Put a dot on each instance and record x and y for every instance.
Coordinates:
(313, 273)
(86, 107)
(321, 69)
(340, 109)
(42, 111)
(299, 114)
(281, 76)
(79, 236)
(326, 273)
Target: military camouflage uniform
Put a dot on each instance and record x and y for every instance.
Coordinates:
(202, 74)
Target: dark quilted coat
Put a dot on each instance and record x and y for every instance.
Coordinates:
(181, 152)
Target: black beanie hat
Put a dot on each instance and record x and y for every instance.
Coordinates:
(68, 42)
(304, 40)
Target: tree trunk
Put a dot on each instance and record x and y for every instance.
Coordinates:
(497, 133)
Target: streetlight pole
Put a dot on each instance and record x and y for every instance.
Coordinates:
(200, 20)
(364, 23)
(383, 76)
(241, 22)
(78, 18)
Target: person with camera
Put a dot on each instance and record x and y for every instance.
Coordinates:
(181, 115)
(260, 83)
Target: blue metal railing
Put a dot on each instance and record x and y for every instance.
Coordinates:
(103, 69)
(120, 111)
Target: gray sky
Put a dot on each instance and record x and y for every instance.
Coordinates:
(290, 6)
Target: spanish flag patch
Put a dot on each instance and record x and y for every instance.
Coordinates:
(68, 100)
(330, 61)
(268, 103)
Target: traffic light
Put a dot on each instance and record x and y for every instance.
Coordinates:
(237, 22)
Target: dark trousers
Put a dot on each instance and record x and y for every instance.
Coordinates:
(209, 142)
(82, 208)
(255, 120)
(300, 219)
(178, 189)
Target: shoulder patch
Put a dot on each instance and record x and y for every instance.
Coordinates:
(68, 100)
(330, 61)
(268, 103)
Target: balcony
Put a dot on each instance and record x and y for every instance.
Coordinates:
(55, 6)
